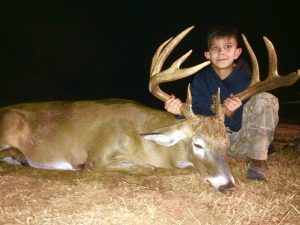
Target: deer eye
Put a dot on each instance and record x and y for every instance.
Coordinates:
(199, 146)
(198, 151)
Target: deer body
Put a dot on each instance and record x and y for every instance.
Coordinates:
(74, 135)
(70, 133)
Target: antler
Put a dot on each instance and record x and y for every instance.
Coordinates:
(172, 73)
(273, 81)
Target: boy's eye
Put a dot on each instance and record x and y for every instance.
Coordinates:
(229, 46)
(214, 48)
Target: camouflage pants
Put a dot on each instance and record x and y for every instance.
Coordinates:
(260, 118)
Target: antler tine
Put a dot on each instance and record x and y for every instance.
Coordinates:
(186, 108)
(218, 109)
(273, 81)
(165, 50)
(272, 58)
(254, 63)
(172, 73)
(156, 55)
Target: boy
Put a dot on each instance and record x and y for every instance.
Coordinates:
(251, 123)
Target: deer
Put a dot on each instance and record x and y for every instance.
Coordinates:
(118, 135)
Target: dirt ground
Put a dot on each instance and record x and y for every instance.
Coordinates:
(31, 196)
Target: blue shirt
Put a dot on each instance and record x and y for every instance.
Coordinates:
(206, 83)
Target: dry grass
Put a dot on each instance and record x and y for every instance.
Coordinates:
(30, 196)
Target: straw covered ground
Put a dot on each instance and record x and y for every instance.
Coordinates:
(31, 196)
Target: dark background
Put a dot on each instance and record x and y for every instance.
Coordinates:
(82, 50)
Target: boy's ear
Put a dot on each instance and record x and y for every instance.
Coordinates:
(206, 55)
(238, 52)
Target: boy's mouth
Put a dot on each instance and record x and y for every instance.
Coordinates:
(222, 59)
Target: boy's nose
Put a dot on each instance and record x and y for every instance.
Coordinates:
(221, 50)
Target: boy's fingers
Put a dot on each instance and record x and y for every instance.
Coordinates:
(172, 96)
(175, 103)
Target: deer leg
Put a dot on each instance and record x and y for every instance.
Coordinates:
(13, 156)
(116, 163)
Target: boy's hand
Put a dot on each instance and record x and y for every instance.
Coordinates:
(173, 105)
(231, 104)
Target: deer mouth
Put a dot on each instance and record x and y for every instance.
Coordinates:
(222, 183)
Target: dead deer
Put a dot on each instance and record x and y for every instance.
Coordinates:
(124, 136)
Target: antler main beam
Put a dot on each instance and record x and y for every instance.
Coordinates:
(172, 73)
(273, 81)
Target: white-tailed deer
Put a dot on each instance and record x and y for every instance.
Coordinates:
(122, 135)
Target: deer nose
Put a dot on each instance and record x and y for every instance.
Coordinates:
(227, 188)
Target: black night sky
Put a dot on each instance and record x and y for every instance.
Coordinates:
(82, 50)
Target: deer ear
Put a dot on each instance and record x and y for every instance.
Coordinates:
(162, 139)
(168, 136)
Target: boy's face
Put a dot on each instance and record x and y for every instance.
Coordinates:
(222, 53)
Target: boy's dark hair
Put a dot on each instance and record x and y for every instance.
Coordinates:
(221, 32)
